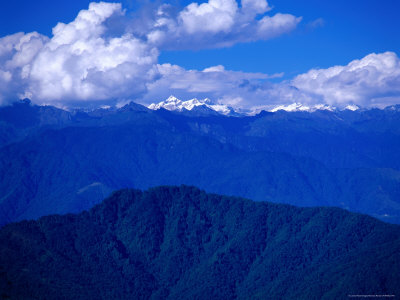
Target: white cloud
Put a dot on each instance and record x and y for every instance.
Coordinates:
(16, 54)
(82, 61)
(211, 17)
(372, 80)
(252, 8)
(219, 68)
(216, 23)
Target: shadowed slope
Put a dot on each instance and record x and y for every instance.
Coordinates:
(181, 243)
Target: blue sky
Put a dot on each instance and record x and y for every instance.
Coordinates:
(330, 33)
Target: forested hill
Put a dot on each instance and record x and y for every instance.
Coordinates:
(182, 243)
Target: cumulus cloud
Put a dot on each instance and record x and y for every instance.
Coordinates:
(372, 80)
(81, 62)
(16, 54)
(216, 23)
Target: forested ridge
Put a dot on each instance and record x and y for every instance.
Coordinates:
(182, 243)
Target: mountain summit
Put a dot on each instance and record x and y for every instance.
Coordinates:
(174, 104)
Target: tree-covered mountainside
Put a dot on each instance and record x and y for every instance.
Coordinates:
(182, 243)
(54, 161)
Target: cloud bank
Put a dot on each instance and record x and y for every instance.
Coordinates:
(228, 87)
(372, 80)
(103, 55)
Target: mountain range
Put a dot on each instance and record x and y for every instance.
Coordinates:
(209, 107)
(58, 161)
(204, 105)
(182, 243)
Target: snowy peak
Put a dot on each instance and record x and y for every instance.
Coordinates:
(352, 107)
(208, 106)
(312, 108)
(174, 104)
(301, 107)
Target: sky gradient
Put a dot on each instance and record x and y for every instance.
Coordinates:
(257, 66)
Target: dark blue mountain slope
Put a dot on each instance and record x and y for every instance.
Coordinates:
(181, 243)
(70, 160)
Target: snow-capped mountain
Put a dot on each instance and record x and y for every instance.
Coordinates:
(352, 107)
(300, 107)
(296, 107)
(174, 104)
